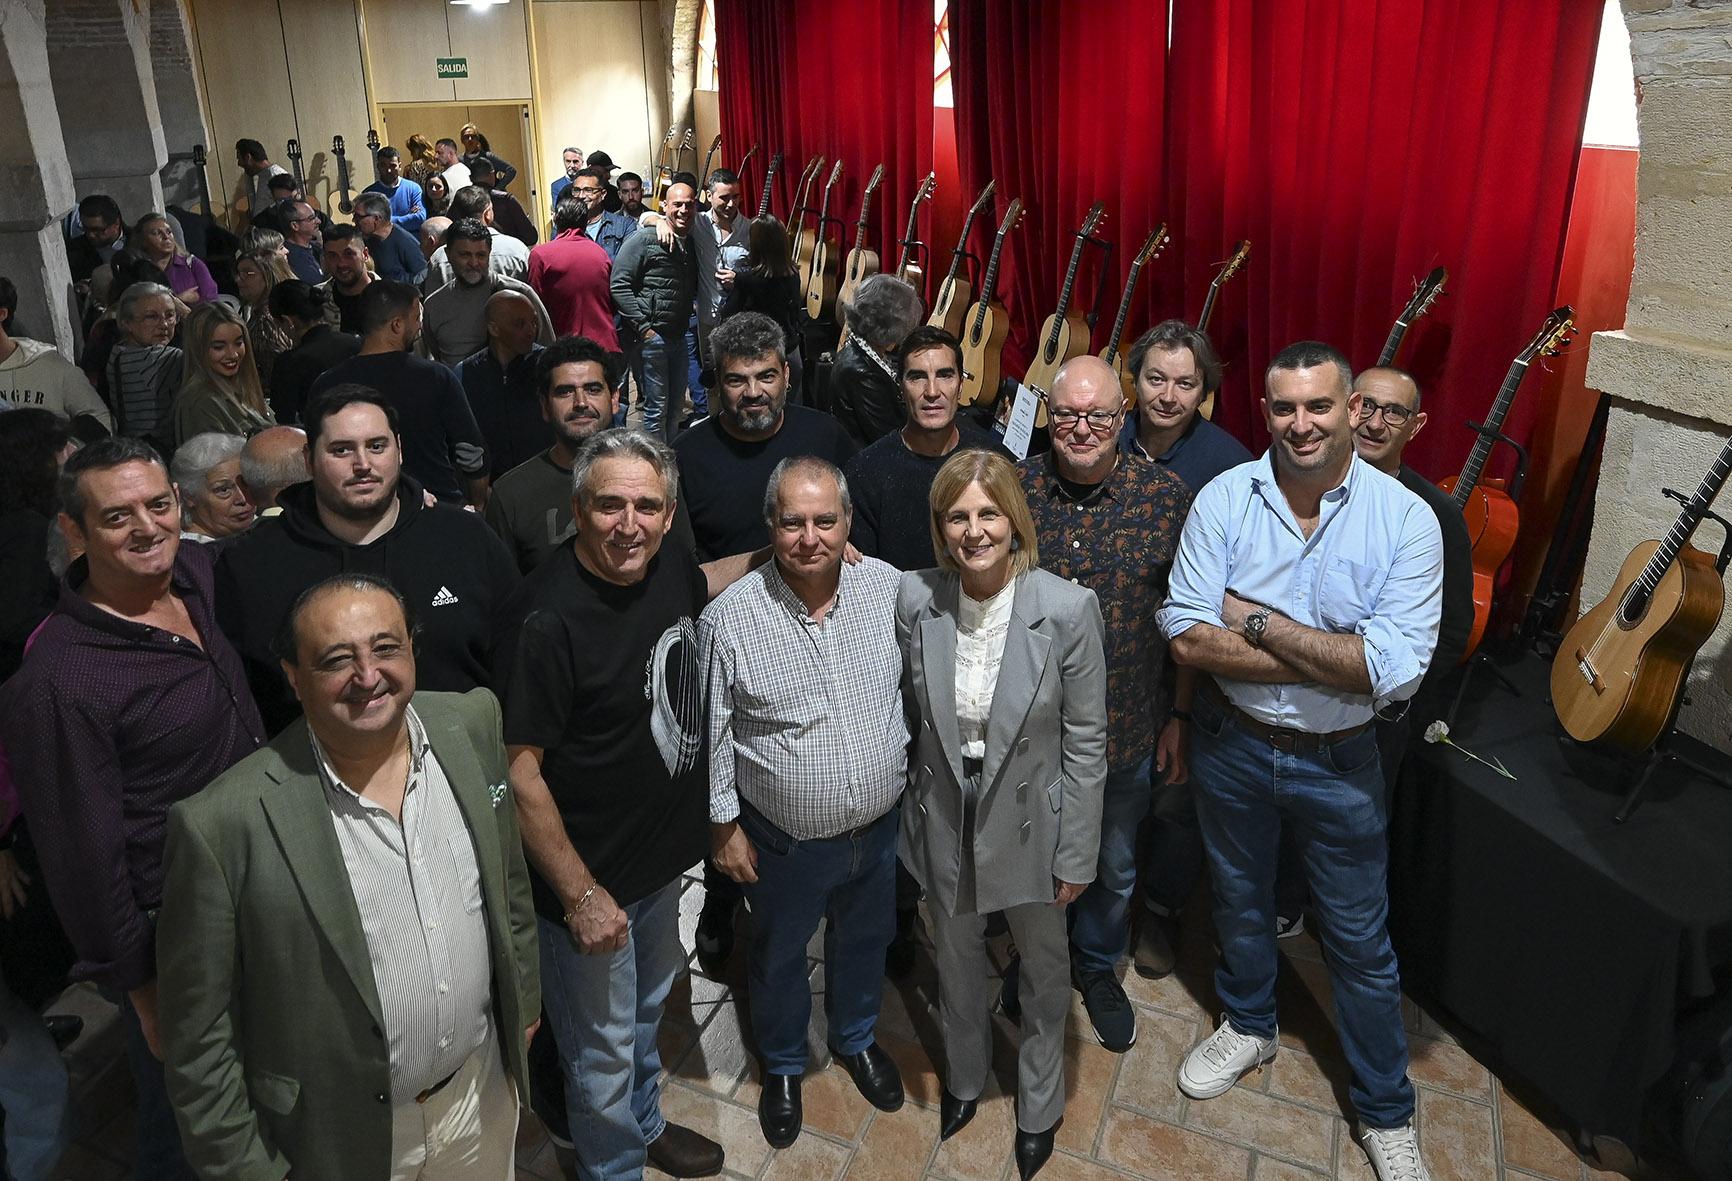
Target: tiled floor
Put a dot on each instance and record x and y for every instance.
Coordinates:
(1125, 1115)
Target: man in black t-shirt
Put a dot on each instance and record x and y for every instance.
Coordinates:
(725, 465)
(604, 726)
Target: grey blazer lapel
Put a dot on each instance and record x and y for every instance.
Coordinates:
(301, 820)
(938, 663)
(1019, 675)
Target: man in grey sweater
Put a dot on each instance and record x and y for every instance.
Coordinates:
(455, 323)
(653, 287)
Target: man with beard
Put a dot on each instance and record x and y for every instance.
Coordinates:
(376, 838)
(456, 324)
(361, 513)
(442, 445)
(508, 213)
(129, 700)
(577, 384)
(606, 229)
(346, 264)
(407, 206)
(1389, 418)
(631, 195)
(572, 160)
(725, 465)
(1308, 585)
(653, 286)
(509, 257)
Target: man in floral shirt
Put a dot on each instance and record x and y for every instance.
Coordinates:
(1110, 520)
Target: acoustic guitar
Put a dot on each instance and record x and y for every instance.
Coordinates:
(1065, 334)
(803, 237)
(664, 167)
(373, 146)
(1112, 355)
(1620, 670)
(1241, 252)
(294, 150)
(686, 145)
(950, 309)
(774, 167)
(862, 261)
(198, 163)
(988, 324)
(709, 157)
(345, 205)
(907, 268)
(1424, 295)
(1491, 515)
(822, 271)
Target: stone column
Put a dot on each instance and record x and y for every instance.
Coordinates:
(1669, 371)
(179, 102)
(99, 59)
(35, 178)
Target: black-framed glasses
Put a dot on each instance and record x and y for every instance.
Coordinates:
(1394, 414)
(1098, 420)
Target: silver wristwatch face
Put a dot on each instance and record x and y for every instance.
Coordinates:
(1254, 626)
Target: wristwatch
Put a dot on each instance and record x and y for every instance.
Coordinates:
(1255, 623)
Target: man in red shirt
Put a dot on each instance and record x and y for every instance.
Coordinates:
(570, 273)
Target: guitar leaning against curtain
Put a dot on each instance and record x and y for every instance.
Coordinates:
(1241, 252)
(1065, 334)
(1112, 355)
(988, 325)
(950, 308)
(1425, 294)
(863, 262)
(820, 279)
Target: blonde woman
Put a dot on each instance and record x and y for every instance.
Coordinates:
(256, 273)
(221, 391)
(420, 162)
(1004, 664)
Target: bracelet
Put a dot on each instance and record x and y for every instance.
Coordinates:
(572, 913)
(1184, 715)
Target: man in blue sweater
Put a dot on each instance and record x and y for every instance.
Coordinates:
(407, 208)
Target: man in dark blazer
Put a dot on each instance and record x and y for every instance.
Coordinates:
(347, 947)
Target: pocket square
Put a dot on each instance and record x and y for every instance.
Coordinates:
(497, 792)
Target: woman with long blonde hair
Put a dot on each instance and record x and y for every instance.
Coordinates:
(221, 391)
(421, 161)
(257, 272)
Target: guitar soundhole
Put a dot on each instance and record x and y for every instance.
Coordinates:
(1634, 606)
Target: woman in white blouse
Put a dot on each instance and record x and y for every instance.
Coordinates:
(1003, 667)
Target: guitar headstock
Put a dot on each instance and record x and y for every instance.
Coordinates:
(1425, 293)
(686, 143)
(1241, 252)
(337, 148)
(294, 149)
(671, 136)
(877, 179)
(1553, 335)
(198, 156)
(1097, 214)
(373, 141)
(1153, 245)
(1012, 215)
(927, 187)
(775, 165)
(835, 175)
(716, 144)
(983, 202)
(746, 159)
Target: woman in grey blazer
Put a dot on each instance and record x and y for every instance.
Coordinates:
(1003, 668)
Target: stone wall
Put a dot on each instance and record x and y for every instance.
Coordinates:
(1669, 371)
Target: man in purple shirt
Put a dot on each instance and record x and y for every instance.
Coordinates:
(129, 701)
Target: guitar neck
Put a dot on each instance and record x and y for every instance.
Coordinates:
(1065, 295)
(1392, 345)
(989, 285)
(1679, 534)
(1208, 306)
(1476, 461)
(1124, 313)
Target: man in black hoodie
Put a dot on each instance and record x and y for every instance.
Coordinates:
(360, 513)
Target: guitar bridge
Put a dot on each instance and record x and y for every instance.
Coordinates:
(1586, 668)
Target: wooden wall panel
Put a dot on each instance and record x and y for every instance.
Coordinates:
(591, 89)
(405, 39)
(496, 42)
(238, 52)
(324, 58)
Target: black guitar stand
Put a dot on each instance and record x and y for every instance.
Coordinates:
(1541, 627)
(1481, 660)
(1092, 317)
(1514, 487)
(1667, 749)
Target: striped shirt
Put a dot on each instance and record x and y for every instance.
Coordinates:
(805, 717)
(418, 889)
(142, 382)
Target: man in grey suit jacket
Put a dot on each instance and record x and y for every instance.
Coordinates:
(347, 949)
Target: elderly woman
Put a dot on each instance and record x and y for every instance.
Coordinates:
(221, 390)
(207, 472)
(1003, 663)
(187, 276)
(865, 395)
(144, 368)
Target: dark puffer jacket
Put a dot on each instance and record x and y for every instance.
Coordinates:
(652, 286)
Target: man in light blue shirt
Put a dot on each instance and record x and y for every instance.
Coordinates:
(1309, 586)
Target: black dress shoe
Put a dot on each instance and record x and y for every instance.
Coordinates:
(681, 1152)
(779, 1111)
(64, 1029)
(954, 1114)
(1032, 1150)
(875, 1075)
(715, 936)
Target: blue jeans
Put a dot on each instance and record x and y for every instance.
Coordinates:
(605, 1010)
(1100, 919)
(1173, 847)
(158, 1156)
(696, 348)
(33, 1091)
(661, 378)
(849, 880)
(1333, 802)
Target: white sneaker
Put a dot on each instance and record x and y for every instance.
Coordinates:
(1394, 1153)
(1217, 1062)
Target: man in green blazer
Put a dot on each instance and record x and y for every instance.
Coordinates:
(346, 949)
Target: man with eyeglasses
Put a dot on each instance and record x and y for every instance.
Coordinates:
(301, 237)
(1389, 418)
(1109, 519)
(607, 230)
(395, 250)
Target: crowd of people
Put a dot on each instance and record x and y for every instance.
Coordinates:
(372, 680)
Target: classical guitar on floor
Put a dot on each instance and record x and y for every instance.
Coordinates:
(863, 262)
(1486, 505)
(1618, 674)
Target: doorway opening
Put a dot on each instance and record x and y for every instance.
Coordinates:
(506, 126)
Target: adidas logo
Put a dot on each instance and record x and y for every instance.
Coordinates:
(444, 598)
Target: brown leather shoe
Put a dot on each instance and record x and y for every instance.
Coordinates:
(681, 1152)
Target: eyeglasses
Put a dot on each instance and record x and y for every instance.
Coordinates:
(1393, 415)
(1098, 420)
(587, 192)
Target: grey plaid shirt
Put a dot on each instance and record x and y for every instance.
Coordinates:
(806, 718)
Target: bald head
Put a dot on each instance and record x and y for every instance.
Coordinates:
(1086, 373)
(1389, 416)
(1086, 405)
(511, 325)
(433, 234)
(1381, 382)
(678, 207)
(271, 461)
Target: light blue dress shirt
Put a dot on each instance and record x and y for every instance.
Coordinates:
(1372, 567)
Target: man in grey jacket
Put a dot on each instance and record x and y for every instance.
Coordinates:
(653, 287)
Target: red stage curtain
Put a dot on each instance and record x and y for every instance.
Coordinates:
(1062, 104)
(1359, 144)
(849, 81)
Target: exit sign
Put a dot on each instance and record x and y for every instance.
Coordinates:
(453, 67)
